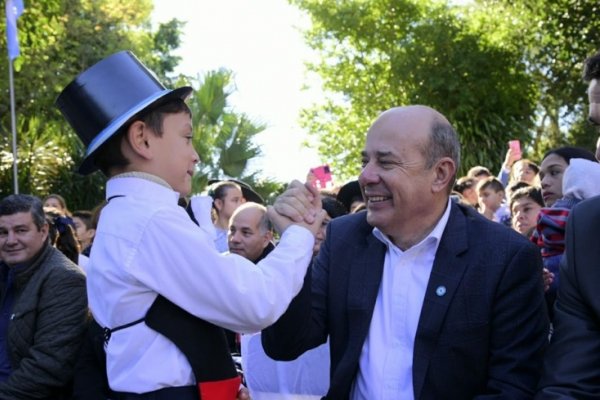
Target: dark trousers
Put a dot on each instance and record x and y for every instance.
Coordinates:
(171, 393)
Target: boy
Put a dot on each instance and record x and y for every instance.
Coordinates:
(491, 197)
(84, 229)
(146, 248)
(525, 206)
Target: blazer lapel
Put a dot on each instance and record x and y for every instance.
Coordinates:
(363, 285)
(446, 274)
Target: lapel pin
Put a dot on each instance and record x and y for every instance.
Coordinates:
(440, 291)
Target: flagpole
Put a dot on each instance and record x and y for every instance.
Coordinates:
(13, 122)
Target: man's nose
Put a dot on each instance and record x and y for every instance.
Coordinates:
(11, 238)
(368, 175)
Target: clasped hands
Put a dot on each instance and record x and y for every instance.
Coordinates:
(301, 205)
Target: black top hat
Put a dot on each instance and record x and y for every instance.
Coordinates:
(349, 193)
(107, 96)
(247, 191)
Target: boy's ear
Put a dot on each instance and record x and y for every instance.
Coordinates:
(137, 137)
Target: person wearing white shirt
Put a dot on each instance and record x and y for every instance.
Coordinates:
(146, 245)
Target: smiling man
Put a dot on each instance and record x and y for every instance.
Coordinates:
(421, 298)
(43, 305)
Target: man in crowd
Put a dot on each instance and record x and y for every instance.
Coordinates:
(43, 305)
(420, 297)
(572, 363)
(250, 234)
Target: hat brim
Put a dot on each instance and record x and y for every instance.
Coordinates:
(88, 164)
(248, 193)
(348, 193)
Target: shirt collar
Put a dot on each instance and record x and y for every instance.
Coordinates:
(434, 236)
(141, 185)
(143, 175)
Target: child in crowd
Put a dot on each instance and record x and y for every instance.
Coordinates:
(84, 229)
(466, 187)
(491, 198)
(525, 206)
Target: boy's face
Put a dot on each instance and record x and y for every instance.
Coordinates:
(175, 158)
(490, 199)
(524, 215)
(84, 234)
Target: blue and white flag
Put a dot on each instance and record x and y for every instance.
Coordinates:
(14, 9)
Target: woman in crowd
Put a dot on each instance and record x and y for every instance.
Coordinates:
(62, 235)
(227, 196)
(58, 202)
(568, 175)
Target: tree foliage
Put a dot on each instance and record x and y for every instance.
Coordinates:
(224, 137)
(499, 70)
(59, 39)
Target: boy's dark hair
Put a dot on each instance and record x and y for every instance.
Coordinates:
(530, 192)
(513, 187)
(490, 183)
(464, 183)
(18, 203)
(110, 155)
(85, 216)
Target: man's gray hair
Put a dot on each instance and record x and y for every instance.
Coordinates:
(264, 225)
(17, 203)
(443, 142)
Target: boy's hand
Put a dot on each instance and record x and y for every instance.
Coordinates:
(300, 204)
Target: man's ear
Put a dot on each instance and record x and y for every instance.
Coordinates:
(137, 137)
(44, 230)
(268, 236)
(444, 171)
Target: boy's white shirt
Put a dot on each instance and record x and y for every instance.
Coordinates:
(146, 244)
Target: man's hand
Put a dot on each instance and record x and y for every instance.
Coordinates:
(300, 204)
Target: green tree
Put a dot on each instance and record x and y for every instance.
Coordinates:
(555, 37)
(59, 39)
(497, 69)
(224, 137)
(384, 53)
